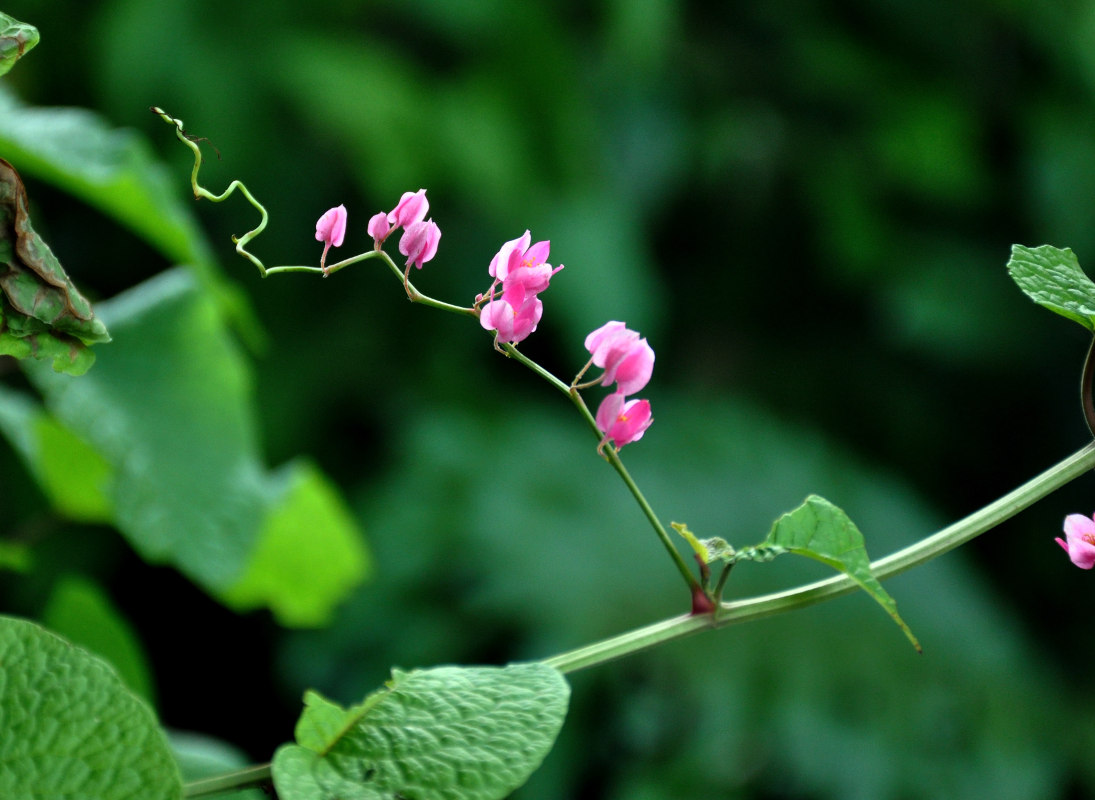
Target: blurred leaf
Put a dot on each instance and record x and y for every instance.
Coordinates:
(79, 611)
(68, 470)
(309, 554)
(15, 556)
(171, 412)
(71, 729)
(819, 530)
(16, 40)
(200, 756)
(38, 302)
(1052, 278)
(475, 733)
(114, 171)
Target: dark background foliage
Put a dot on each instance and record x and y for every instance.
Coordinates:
(806, 207)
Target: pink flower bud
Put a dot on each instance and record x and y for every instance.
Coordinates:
(1080, 546)
(621, 420)
(411, 208)
(379, 228)
(419, 242)
(331, 227)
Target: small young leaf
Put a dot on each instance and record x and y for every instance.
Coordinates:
(448, 733)
(70, 729)
(819, 530)
(1052, 278)
(714, 549)
(16, 40)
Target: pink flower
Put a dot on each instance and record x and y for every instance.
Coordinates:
(379, 228)
(523, 273)
(419, 242)
(1080, 546)
(625, 357)
(511, 324)
(331, 227)
(411, 208)
(517, 253)
(331, 230)
(621, 420)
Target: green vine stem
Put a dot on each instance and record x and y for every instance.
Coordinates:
(701, 603)
(200, 192)
(737, 611)
(733, 612)
(1087, 386)
(252, 777)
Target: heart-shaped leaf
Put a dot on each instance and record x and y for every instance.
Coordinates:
(448, 733)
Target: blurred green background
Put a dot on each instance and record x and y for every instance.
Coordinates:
(807, 209)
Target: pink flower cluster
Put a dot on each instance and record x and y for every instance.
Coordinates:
(629, 362)
(420, 235)
(1080, 543)
(523, 271)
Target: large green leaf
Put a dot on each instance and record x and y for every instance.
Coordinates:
(1052, 278)
(70, 729)
(16, 40)
(170, 413)
(448, 733)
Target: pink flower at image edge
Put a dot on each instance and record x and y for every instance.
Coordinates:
(1080, 542)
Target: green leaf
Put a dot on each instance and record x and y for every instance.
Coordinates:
(1052, 278)
(69, 471)
(819, 530)
(169, 410)
(309, 554)
(114, 171)
(81, 612)
(713, 549)
(448, 733)
(70, 729)
(16, 40)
